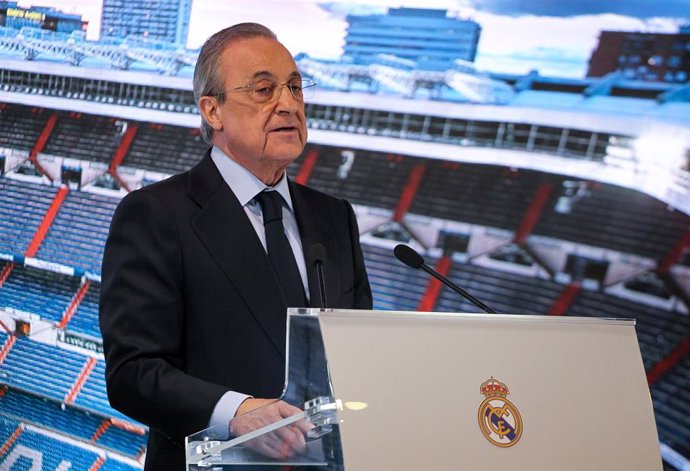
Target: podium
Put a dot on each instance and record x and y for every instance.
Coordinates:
(436, 391)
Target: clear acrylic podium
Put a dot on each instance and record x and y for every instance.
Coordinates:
(436, 391)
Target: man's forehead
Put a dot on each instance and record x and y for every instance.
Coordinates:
(260, 57)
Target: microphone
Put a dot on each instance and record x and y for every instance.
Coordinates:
(411, 258)
(317, 254)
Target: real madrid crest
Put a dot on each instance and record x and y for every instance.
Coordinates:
(499, 419)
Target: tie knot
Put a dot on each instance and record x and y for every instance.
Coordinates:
(271, 205)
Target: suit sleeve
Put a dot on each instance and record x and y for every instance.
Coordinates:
(362, 289)
(142, 319)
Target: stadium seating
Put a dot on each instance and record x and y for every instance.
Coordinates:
(85, 319)
(658, 331)
(40, 376)
(502, 291)
(616, 218)
(52, 453)
(115, 465)
(34, 443)
(77, 235)
(93, 396)
(32, 409)
(70, 421)
(392, 288)
(129, 443)
(84, 137)
(48, 373)
(42, 369)
(671, 399)
(38, 291)
(362, 184)
(22, 208)
(20, 126)
(7, 428)
(481, 194)
(165, 149)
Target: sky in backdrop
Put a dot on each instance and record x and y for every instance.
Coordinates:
(555, 37)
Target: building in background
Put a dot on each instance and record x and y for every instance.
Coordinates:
(14, 16)
(160, 20)
(430, 38)
(655, 57)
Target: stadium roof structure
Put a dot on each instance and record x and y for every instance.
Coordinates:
(387, 74)
(73, 48)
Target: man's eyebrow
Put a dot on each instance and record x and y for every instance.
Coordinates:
(262, 74)
(267, 74)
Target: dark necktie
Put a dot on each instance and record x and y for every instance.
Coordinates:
(279, 250)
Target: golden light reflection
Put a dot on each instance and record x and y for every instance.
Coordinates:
(355, 405)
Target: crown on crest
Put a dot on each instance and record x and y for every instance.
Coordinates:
(493, 387)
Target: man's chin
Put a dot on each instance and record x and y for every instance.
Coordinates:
(286, 152)
(284, 138)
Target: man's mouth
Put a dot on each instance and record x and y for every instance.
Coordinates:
(284, 129)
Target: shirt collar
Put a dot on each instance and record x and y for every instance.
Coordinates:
(243, 183)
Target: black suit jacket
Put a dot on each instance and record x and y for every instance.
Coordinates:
(190, 307)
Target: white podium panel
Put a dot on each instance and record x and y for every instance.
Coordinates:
(559, 393)
(430, 391)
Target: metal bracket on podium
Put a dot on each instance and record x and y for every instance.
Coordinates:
(321, 411)
(206, 453)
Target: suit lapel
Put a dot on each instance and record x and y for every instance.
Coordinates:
(223, 228)
(311, 233)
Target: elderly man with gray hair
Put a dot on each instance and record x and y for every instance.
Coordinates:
(199, 269)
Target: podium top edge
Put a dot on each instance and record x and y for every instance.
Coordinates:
(301, 312)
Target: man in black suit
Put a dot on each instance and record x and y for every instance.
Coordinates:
(193, 310)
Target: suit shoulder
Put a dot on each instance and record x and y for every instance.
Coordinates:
(169, 190)
(165, 199)
(168, 185)
(316, 195)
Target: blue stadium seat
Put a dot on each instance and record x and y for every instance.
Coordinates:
(40, 368)
(67, 420)
(22, 208)
(77, 235)
(393, 289)
(84, 137)
(165, 149)
(20, 125)
(39, 292)
(85, 319)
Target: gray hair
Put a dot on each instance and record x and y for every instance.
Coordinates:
(207, 78)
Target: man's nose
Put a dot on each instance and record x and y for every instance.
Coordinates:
(286, 101)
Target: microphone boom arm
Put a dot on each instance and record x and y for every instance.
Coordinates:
(457, 289)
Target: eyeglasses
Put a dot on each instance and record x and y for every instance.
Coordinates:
(267, 90)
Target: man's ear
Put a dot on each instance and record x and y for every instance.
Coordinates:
(211, 112)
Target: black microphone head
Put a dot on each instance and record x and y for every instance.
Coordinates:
(408, 256)
(317, 254)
